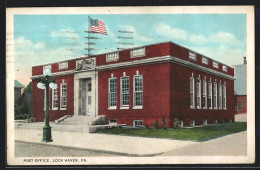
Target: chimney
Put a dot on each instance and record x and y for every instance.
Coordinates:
(245, 60)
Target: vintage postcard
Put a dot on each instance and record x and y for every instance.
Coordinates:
(130, 85)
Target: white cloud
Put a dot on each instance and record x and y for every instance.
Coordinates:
(225, 54)
(136, 35)
(65, 33)
(225, 38)
(169, 32)
(199, 39)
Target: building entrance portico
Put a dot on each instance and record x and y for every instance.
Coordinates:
(85, 92)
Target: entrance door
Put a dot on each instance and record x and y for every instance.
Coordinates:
(88, 97)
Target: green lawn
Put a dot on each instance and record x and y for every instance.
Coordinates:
(195, 134)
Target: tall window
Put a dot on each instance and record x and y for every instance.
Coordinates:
(215, 95)
(192, 95)
(63, 96)
(210, 94)
(54, 99)
(220, 96)
(112, 92)
(198, 87)
(125, 92)
(224, 96)
(240, 105)
(138, 90)
(204, 91)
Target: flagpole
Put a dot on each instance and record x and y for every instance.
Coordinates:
(88, 33)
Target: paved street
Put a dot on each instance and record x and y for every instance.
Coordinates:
(24, 149)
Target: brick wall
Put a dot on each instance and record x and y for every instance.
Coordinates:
(38, 100)
(243, 99)
(155, 94)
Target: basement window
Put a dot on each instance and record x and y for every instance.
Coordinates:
(113, 121)
(205, 121)
(180, 123)
(138, 123)
(192, 123)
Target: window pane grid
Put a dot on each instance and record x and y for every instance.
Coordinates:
(112, 92)
(192, 92)
(125, 91)
(138, 90)
(63, 95)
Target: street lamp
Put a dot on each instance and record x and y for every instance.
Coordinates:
(47, 82)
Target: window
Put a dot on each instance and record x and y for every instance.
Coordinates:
(46, 67)
(204, 92)
(192, 122)
(112, 57)
(240, 106)
(224, 68)
(198, 87)
(180, 123)
(215, 64)
(224, 97)
(63, 65)
(215, 95)
(215, 120)
(138, 91)
(63, 96)
(210, 94)
(54, 99)
(220, 96)
(205, 121)
(139, 52)
(192, 56)
(205, 60)
(112, 93)
(192, 95)
(138, 123)
(112, 121)
(125, 92)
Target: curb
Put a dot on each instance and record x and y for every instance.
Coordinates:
(93, 150)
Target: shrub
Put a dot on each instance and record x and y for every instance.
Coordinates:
(176, 124)
(20, 116)
(156, 124)
(32, 119)
(146, 126)
(223, 121)
(23, 109)
(164, 123)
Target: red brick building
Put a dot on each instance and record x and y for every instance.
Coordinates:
(140, 85)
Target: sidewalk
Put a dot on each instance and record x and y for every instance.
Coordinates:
(123, 145)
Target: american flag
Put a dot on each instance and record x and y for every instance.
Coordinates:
(97, 26)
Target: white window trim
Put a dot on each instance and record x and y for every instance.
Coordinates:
(111, 107)
(142, 54)
(113, 122)
(198, 94)
(138, 121)
(54, 108)
(108, 57)
(192, 78)
(63, 108)
(206, 96)
(241, 105)
(63, 67)
(121, 96)
(220, 96)
(134, 106)
(211, 92)
(215, 92)
(224, 86)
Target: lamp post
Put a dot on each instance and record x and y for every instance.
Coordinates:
(46, 83)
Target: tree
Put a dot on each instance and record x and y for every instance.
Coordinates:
(28, 88)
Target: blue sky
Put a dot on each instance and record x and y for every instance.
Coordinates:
(40, 39)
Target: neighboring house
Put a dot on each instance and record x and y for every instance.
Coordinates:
(26, 99)
(240, 88)
(140, 85)
(17, 94)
